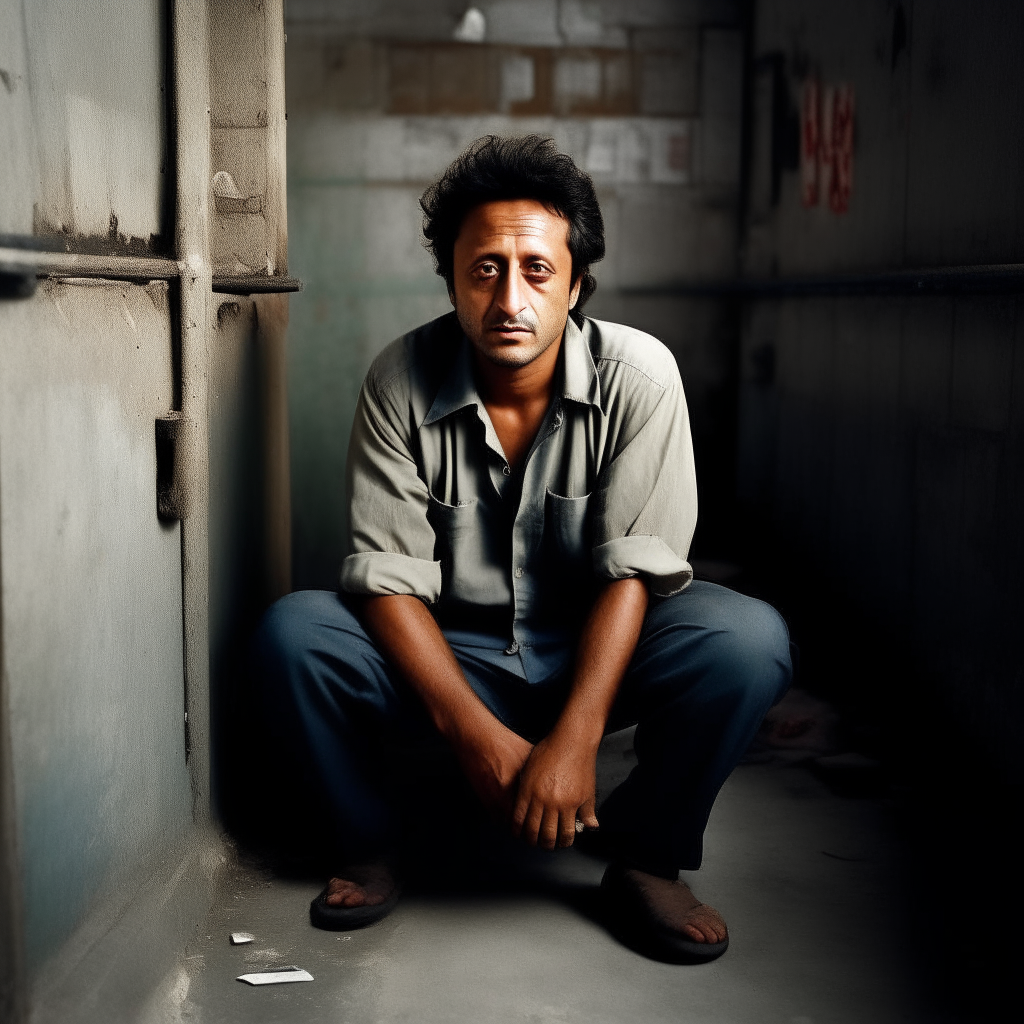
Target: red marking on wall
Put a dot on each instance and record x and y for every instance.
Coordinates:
(810, 122)
(842, 149)
(826, 144)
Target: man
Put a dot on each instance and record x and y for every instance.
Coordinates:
(522, 498)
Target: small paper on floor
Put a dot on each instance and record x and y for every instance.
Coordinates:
(278, 977)
(241, 938)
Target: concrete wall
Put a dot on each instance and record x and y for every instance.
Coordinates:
(882, 435)
(93, 644)
(85, 157)
(381, 97)
(92, 596)
(123, 620)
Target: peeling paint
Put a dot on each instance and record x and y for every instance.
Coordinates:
(223, 186)
(158, 294)
(60, 237)
(227, 311)
(95, 75)
(249, 235)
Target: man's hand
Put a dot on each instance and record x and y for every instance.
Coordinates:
(542, 788)
(491, 755)
(558, 784)
(559, 779)
(492, 761)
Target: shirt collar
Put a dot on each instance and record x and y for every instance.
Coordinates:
(581, 383)
(580, 380)
(458, 389)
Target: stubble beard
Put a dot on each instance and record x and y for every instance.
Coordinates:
(510, 357)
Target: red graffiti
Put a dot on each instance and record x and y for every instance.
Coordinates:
(826, 144)
(810, 123)
(842, 150)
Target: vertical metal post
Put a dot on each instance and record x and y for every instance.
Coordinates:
(192, 116)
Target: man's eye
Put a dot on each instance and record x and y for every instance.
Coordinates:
(487, 270)
(538, 268)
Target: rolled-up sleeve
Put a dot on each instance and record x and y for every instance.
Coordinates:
(645, 501)
(390, 539)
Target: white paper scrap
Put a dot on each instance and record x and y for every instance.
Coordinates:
(241, 938)
(277, 977)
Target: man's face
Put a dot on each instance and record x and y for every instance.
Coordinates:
(513, 280)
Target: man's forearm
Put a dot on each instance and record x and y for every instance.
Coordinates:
(410, 639)
(491, 755)
(606, 646)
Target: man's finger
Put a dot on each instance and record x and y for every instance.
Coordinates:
(519, 816)
(566, 829)
(532, 823)
(588, 815)
(548, 830)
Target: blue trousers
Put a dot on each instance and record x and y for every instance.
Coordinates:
(709, 664)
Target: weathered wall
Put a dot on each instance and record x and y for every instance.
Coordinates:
(249, 233)
(645, 96)
(110, 616)
(93, 691)
(83, 115)
(92, 596)
(882, 435)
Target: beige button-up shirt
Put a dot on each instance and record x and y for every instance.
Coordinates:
(607, 490)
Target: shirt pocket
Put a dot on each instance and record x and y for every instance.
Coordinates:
(469, 569)
(569, 536)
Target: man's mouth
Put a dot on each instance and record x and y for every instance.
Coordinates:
(510, 329)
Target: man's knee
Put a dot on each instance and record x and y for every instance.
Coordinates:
(283, 626)
(741, 642)
(297, 625)
(753, 648)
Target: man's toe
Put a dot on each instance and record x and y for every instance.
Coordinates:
(708, 925)
(339, 891)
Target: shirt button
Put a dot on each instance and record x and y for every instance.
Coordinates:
(519, 573)
(513, 648)
(506, 470)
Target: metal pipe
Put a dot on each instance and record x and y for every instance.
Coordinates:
(192, 231)
(76, 264)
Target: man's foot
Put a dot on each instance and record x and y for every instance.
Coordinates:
(361, 885)
(360, 895)
(662, 918)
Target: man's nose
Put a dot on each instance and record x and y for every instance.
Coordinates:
(510, 298)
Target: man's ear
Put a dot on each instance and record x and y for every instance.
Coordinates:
(575, 293)
(451, 296)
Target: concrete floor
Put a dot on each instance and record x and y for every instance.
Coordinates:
(809, 882)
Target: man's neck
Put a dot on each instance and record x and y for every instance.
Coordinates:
(517, 399)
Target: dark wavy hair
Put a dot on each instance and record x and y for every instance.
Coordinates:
(520, 167)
